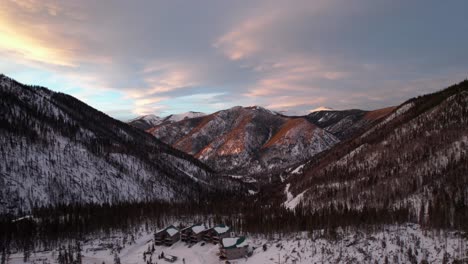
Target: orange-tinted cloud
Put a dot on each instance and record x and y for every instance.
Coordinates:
(23, 35)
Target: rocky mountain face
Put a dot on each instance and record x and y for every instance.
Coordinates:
(413, 161)
(246, 140)
(254, 140)
(57, 150)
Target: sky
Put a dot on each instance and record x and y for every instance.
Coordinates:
(130, 58)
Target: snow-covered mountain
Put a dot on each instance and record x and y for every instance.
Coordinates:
(246, 140)
(412, 163)
(182, 116)
(54, 149)
(148, 121)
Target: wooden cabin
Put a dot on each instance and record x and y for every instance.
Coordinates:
(167, 236)
(217, 233)
(197, 233)
(194, 233)
(233, 248)
(185, 234)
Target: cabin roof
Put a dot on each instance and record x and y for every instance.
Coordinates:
(196, 228)
(233, 242)
(221, 229)
(170, 230)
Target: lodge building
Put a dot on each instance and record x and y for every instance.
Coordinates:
(167, 236)
(215, 234)
(194, 233)
(233, 248)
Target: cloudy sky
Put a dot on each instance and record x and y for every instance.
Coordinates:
(129, 58)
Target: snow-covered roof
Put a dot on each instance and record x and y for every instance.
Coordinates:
(198, 228)
(221, 229)
(234, 242)
(172, 231)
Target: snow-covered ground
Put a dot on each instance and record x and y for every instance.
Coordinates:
(398, 244)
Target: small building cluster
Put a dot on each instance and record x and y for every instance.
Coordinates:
(230, 247)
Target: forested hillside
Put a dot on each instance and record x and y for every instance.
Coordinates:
(57, 150)
(414, 162)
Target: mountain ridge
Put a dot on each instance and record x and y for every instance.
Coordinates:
(224, 144)
(145, 122)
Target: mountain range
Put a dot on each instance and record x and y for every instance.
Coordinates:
(245, 140)
(408, 161)
(254, 141)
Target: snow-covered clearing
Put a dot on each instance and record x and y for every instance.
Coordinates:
(398, 244)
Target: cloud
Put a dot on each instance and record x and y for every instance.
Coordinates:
(176, 56)
(36, 6)
(241, 42)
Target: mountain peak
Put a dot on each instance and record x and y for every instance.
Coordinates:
(260, 108)
(182, 116)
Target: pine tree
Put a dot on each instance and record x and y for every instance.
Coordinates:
(26, 255)
(116, 259)
(78, 253)
(4, 256)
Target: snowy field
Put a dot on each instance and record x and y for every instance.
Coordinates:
(397, 244)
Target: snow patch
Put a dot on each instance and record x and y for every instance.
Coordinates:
(291, 201)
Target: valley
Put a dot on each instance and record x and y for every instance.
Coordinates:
(233, 132)
(301, 185)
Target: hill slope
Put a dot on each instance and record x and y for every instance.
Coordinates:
(54, 149)
(415, 158)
